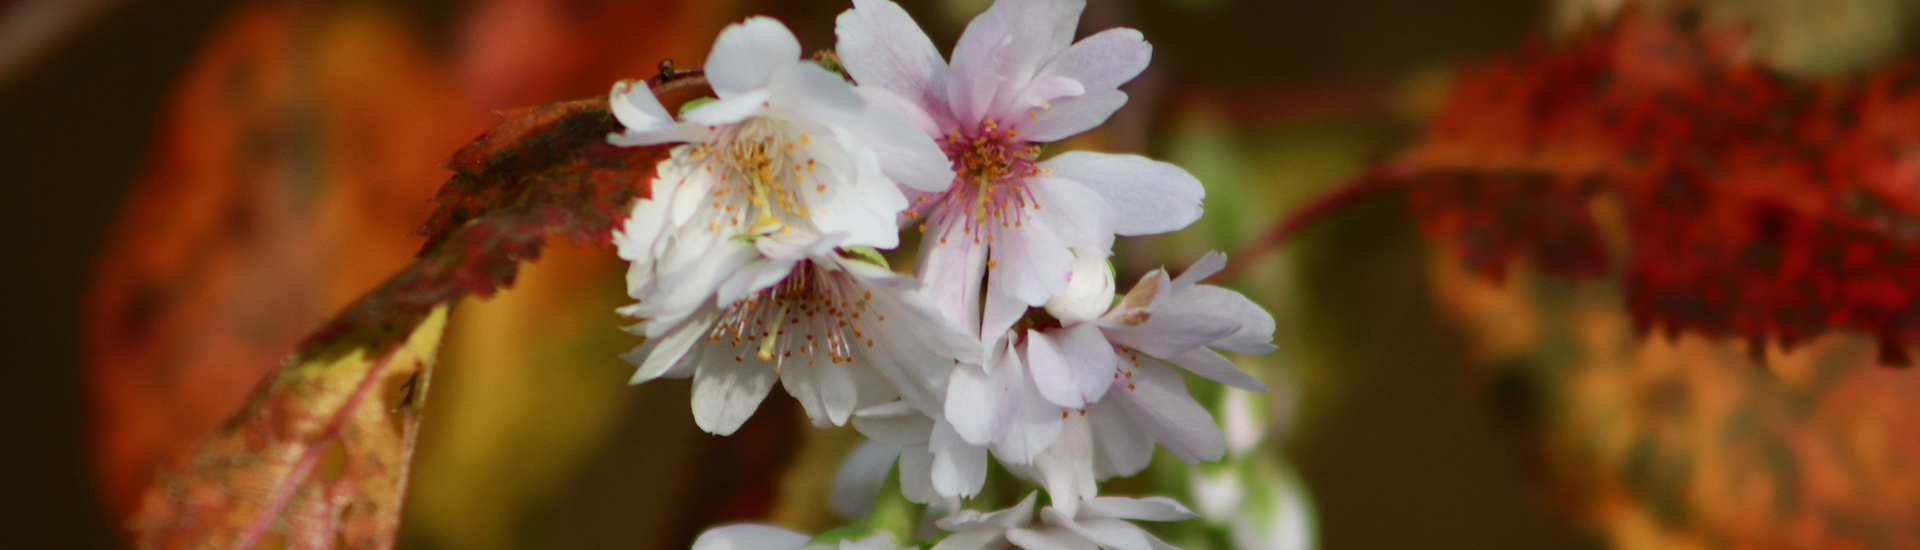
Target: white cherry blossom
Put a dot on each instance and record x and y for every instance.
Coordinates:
(737, 315)
(749, 536)
(1102, 522)
(1016, 80)
(785, 145)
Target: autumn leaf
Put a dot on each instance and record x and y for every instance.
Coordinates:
(314, 459)
(1755, 206)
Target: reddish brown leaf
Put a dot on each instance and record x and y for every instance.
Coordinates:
(315, 458)
(1756, 206)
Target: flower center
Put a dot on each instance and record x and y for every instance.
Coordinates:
(991, 164)
(761, 168)
(814, 311)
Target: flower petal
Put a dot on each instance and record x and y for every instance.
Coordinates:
(1075, 211)
(1066, 468)
(952, 272)
(1052, 371)
(1146, 196)
(747, 53)
(1049, 539)
(1089, 291)
(1211, 365)
(882, 47)
(658, 355)
(1033, 423)
(826, 391)
(1148, 508)
(896, 423)
(908, 155)
(1068, 117)
(725, 392)
(1210, 263)
(976, 402)
(959, 468)
(747, 536)
(1158, 399)
(729, 109)
(1103, 61)
(1002, 49)
(635, 106)
(856, 485)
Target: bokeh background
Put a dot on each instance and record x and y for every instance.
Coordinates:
(192, 185)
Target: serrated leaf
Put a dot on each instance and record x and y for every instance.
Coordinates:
(310, 460)
(1755, 206)
(317, 458)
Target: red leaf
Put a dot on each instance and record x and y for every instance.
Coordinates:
(318, 456)
(1756, 206)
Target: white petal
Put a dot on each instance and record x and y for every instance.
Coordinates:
(1033, 424)
(959, 468)
(1211, 365)
(825, 391)
(1170, 332)
(1075, 212)
(1049, 539)
(1002, 49)
(807, 90)
(1158, 399)
(973, 539)
(1121, 448)
(896, 423)
(1086, 356)
(1070, 116)
(1148, 508)
(974, 403)
(1147, 196)
(752, 277)
(729, 109)
(1002, 311)
(747, 536)
(1103, 61)
(1066, 468)
(908, 155)
(725, 393)
(1052, 371)
(1255, 332)
(747, 54)
(1089, 290)
(1113, 533)
(1031, 263)
(1202, 268)
(916, 475)
(635, 106)
(882, 47)
(655, 357)
(856, 485)
(953, 272)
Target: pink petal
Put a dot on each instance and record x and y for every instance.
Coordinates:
(1070, 116)
(1158, 399)
(883, 48)
(953, 272)
(1103, 61)
(1147, 196)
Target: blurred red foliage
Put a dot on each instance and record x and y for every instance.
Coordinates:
(1756, 206)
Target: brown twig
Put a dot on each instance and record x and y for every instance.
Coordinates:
(1366, 185)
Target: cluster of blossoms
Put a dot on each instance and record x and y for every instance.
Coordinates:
(754, 261)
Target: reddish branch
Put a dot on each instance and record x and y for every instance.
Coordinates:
(1368, 184)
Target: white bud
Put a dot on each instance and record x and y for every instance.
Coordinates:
(1089, 290)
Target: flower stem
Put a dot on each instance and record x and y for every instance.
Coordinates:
(1366, 185)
